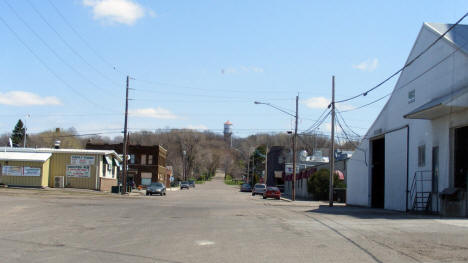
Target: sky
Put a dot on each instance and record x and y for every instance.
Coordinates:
(197, 64)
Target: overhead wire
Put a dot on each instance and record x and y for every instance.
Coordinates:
(51, 49)
(83, 39)
(49, 69)
(407, 64)
(319, 121)
(73, 50)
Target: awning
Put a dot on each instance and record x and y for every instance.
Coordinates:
(450, 103)
(340, 174)
(107, 160)
(115, 162)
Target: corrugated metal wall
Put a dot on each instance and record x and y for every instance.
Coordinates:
(37, 181)
(58, 167)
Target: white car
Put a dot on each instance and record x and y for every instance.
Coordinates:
(258, 189)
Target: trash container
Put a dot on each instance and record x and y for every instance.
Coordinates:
(453, 202)
(115, 189)
(339, 195)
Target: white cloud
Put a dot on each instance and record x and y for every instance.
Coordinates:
(156, 113)
(242, 69)
(24, 98)
(118, 11)
(317, 102)
(322, 103)
(197, 127)
(367, 65)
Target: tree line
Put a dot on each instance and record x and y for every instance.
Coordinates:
(205, 151)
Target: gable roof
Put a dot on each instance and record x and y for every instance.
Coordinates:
(458, 36)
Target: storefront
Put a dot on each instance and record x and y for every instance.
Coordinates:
(24, 169)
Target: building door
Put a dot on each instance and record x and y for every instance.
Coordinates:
(378, 173)
(461, 158)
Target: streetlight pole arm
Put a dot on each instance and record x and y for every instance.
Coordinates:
(276, 107)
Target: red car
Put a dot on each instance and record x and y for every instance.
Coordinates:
(272, 192)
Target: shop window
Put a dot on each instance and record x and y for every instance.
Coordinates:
(145, 181)
(143, 159)
(422, 155)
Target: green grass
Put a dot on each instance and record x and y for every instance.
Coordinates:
(230, 181)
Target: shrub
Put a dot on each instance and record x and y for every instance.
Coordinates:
(319, 182)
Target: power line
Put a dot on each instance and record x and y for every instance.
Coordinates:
(367, 104)
(341, 116)
(51, 49)
(45, 65)
(105, 61)
(319, 121)
(407, 64)
(69, 46)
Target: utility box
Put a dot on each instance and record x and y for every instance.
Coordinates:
(453, 202)
(59, 182)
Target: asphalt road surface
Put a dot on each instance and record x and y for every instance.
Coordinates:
(214, 223)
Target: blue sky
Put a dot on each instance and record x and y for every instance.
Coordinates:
(196, 64)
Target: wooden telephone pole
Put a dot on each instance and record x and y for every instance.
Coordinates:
(294, 151)
(332, 148)
(124, 172)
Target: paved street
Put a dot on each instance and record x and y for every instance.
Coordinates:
(214, 223)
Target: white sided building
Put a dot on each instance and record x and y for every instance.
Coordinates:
(418, 145)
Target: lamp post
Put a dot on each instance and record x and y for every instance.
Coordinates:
(293, 194)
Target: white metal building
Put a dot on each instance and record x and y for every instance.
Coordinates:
(418, 145)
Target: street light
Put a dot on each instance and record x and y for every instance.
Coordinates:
(293, 194)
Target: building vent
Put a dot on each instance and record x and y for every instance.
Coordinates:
(59, 182)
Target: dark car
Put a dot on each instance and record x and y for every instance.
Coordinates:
(272, 192)
(246, 188)
(191, 183)
(184, 185)
(156, 188)
(258, 189)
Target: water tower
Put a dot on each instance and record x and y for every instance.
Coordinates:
(228, 134)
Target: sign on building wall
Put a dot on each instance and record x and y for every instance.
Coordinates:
(31, 171)
(12, 170)
(82, 159)
(289, 169)
(78, 171)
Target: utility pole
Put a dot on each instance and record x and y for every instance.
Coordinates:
(266, 164)
(124, 173)
(294, 151)
(332, 148)
(248, 168)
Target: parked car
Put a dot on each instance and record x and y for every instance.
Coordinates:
(184, 185)
(156, 188)
(281, 187)
(258, 189)
(246, 188)
(191, 183)
(272, 192)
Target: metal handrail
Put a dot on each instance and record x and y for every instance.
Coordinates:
(418, 182)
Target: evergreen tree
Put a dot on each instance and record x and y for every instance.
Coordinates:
(18, 133)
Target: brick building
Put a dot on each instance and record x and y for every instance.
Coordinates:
(146, 164)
